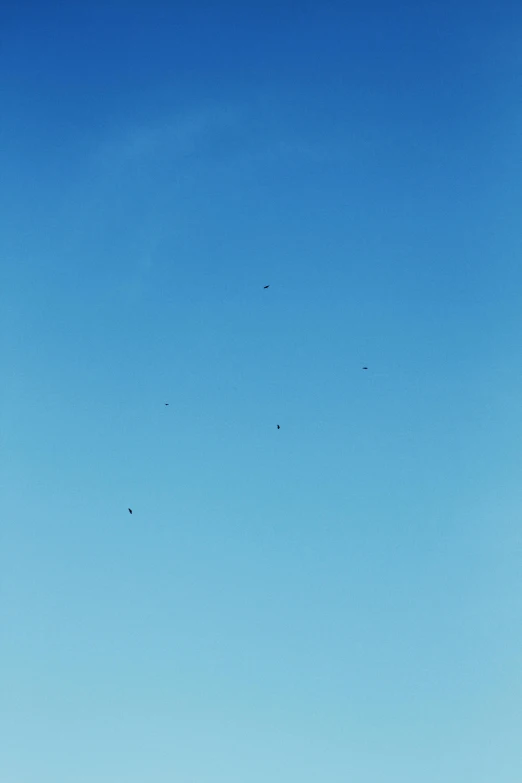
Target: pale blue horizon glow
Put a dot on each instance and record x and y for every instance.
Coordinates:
(338, 600)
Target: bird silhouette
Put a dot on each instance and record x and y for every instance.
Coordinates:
(130, 510)
(365, 368)
(166, 405)
(266, 286)
(278, 427)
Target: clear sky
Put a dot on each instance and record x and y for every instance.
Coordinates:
(338, 600)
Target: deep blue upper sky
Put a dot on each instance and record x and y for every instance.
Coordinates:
(338, 600)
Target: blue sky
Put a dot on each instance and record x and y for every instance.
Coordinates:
(339, 600)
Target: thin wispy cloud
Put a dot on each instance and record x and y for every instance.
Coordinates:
(141, 170)
(174, 137)
(180, 135)
(236, 133)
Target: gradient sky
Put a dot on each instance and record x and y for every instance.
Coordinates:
(339, 600)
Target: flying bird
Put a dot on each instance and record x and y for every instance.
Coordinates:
(166, 405)
(365, 368)
(130, 510)
(278, 427)
(266, 286)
